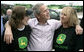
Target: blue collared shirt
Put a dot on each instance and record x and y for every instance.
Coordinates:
(2, 28)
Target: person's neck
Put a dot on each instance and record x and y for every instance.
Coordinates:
(65, 25)
(42, 21)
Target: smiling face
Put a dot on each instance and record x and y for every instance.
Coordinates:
(69, 16)
(64, 18)
(9, 12)
(44, 13)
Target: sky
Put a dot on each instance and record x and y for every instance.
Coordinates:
(78, 3)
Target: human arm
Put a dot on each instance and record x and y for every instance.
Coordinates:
(8, 36)
(79, 29)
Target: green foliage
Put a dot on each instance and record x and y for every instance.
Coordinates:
(26, 5)
(78, 8)
(56, 6)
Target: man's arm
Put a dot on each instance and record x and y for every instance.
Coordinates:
(8, 36)
(79, 29)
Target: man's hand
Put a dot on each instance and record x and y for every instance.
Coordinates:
(8, 36)
(79, 29)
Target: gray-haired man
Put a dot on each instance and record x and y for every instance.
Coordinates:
(43, 28)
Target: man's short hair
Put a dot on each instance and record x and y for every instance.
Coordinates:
(36, 9)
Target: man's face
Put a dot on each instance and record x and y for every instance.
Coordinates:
(44, 13)
(9, 13)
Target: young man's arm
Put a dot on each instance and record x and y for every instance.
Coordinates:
(8, 36)
(79, 29)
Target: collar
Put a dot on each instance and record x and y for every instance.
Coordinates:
(21, 29)
(37, 22)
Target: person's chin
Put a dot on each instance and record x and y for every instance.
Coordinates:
(25, 24)
(48, 17)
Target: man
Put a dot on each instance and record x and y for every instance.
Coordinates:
(8, 15)
(2, 28)
(2, 25)
(43, 28)
(9, 12)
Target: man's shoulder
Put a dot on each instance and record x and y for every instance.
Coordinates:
(53, 20)
(33, 19)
